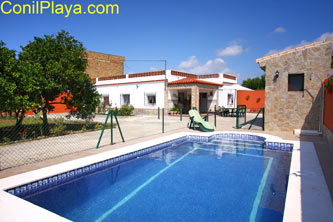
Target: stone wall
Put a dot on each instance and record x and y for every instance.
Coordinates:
(328, 135)
(288, 110)
(104, 65)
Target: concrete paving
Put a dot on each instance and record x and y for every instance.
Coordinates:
(133, 127)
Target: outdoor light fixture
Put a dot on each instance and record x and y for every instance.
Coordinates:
(277, 74)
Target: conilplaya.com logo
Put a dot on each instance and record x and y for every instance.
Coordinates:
(42, 7)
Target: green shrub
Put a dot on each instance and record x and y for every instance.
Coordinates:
(125, 110)
(90, 125)
(59, 128)
(98, 126)
(175, 108)
(6, 140)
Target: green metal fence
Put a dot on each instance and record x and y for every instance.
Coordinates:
(262, 110)
(32, 141)
(111, 114)
(240, 116)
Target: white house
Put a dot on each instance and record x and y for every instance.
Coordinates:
(150, 90)
(228, 95)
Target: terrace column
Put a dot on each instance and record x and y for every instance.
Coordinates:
(195, 96)
(166, 98)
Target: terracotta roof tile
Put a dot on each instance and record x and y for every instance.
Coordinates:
(183, 74)
(193, 81)
(145, 74)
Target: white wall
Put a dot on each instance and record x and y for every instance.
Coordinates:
(128, 80)
(223, 97)
(137, 87)
(137, 93)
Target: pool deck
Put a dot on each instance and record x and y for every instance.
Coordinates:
(308, 196)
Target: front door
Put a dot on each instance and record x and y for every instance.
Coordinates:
(203, 103)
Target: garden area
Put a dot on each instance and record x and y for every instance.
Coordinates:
(32, 128)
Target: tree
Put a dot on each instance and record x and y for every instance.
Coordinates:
(255, 83)
(15, 88)
(56, 68)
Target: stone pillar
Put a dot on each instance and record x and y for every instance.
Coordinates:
(166, 98)
(217, 98)
(195, 97)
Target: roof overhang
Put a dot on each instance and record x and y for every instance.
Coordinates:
(262, 61)
(188, 81)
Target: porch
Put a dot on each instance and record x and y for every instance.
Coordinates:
(187, 93)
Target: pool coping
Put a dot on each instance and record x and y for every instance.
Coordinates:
(11, 204)
(308, 197)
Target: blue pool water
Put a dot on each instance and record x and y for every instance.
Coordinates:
(219, 180)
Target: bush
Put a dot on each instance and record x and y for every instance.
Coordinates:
(175, 108)
(59, 128)
(90, 125)
(125, 110)
(98, 126)
(6, 140)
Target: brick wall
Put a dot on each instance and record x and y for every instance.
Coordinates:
(226, 76)
(104, 65)
(145, 74)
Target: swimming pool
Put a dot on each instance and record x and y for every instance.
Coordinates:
(224, 177)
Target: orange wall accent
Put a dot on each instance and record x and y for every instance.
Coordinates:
(254, 100)
(328, 109)
(58, 108)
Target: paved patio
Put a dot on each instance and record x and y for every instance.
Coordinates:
(133, 128)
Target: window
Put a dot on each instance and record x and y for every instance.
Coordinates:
(230, 99)
(106, 100)
(296, 82)
(125, 99)
(150, 99)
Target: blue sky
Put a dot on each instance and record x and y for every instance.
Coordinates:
(192, 35)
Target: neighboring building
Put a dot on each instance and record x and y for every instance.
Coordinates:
(104, 65)
(229, 95)
(294, 98)
(150, 90)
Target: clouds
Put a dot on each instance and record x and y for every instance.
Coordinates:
(217, 65)
(189, 64)
(325, 36)
(235, 48)
(279, 30)
(232, 50)
(303, 42)
(152, 69)
(192, 65)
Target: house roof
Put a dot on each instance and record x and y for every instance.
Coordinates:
(193, 81)
(291, 50)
